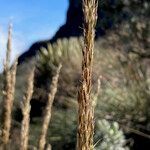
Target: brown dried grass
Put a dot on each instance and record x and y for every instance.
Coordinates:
(47, 116)
(86, 108)
(26, 112)
(9, 90)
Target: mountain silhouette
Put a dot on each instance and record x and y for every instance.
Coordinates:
(110, 13)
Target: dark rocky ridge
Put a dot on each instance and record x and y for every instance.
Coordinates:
(110, 13)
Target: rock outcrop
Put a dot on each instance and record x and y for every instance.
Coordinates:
(110, 14)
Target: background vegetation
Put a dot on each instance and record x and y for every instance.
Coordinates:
(121, 86)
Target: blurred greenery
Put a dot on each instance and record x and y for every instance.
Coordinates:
(121, 62)
(112, 137)
(123, 96)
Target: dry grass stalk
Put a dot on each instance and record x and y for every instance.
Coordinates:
(47, 116)
(48, 147)
(26, 112)
(86, 110)
(9, 90)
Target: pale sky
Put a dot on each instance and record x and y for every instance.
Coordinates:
(32, 20)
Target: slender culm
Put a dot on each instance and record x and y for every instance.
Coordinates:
(86, 109)
(9, 90)
(47, 115)
(26, 112)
